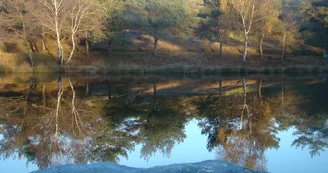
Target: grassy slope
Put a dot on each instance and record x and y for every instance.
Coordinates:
(175, 56)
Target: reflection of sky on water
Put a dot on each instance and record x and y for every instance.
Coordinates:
(15, 165)
(193, 149)
(286, 159)
(289, 159)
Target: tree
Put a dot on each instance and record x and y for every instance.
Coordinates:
(16, 22)
(81, 11)
(313, 17)
(245, 9)
(217, 21)
(288, 30)
(58, 14)
(52, 15)
(238, 138)
(114, 21)
(267, 18)
(162, 18)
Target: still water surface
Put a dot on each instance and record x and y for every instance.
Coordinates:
(275, 124)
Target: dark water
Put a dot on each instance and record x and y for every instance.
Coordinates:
(276, 124)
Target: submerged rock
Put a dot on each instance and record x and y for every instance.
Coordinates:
(215, 166)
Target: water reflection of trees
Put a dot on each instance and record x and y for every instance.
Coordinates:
(312, 121)
(60, 126)
(157, 122)
(45, 129)
(239, 126)
(61, 122)
(244, 137)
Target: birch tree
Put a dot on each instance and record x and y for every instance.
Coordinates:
(65, 17)
(245, 9)
(52, 15)
(81, 10)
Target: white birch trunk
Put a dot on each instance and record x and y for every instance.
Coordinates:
(73, 48)
(57, 30)
(246, 47)
(246, 28)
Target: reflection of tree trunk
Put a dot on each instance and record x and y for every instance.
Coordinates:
(220, 88)
(326, 40)
(109, 89)
(44, 95)
(155, 94)
(75, 113)
(110, 47)
(73, 95)
(155, 45)
(87, 89)
(260, 82)
(282, 94)
(27, 95)
(155, 89)
(245, 107)
(59, 97)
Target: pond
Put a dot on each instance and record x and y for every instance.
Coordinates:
(265, 123)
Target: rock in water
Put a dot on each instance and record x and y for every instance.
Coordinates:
(214, 166)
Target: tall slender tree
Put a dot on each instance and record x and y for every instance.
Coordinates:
(246, 10)
(267, 18)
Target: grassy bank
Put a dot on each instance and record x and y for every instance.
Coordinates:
(165, 63)
(176, 69)
(213, 70)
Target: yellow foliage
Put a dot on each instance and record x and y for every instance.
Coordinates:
(223, 5)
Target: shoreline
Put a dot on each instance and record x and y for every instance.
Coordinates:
(173, 69)
(170, 63)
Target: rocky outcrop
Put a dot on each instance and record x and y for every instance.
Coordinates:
(215, 166)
